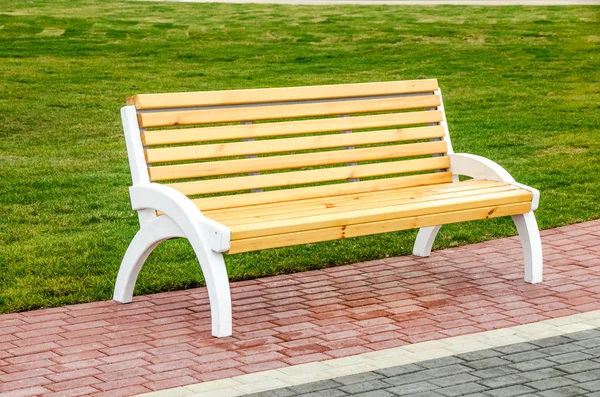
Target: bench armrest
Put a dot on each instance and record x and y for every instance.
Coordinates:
(183, 211)
(478, 167)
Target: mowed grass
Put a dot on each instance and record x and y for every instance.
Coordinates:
(521, 86)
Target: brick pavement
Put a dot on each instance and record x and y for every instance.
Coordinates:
(560, 366)
(162, 341)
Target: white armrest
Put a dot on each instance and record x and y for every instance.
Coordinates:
(478, 167)
(183, 211)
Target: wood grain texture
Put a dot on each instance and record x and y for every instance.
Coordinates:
(228, 167)
(323, 191)
(270, 112)
(283, 94)
(378, 214)
(262, 130)
(201, 152)
(310, 176)
(334, 233)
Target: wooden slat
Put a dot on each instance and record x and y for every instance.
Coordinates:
(303, 193)
(320, 204)
(200, 152)
(227, 167)
(337, 208)
(233, 97)
(377, 214)
(262, 130)
(268, 112)
(312, 236)
(310, 176)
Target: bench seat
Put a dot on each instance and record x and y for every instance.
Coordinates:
(287, 223)
(246, 170)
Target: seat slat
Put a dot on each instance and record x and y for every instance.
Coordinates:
(378, 214)
(234, 97)
(337, 208)
(312, 236)
(214, 168)
(312, 192)
(289, 209)
(310, 176)
(262, 130)
(268, 112)
(201, 152)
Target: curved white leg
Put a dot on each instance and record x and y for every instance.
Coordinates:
(217, 283)
(425, 239)
(146, 239)
(532, 246)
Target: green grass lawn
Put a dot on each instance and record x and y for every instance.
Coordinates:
(521, 86)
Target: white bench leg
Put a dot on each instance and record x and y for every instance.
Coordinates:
(425, 240)
(213, 267)
(532, 246)
(146, 239)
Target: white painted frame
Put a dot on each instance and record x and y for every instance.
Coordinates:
(181, 218)
(478, 167)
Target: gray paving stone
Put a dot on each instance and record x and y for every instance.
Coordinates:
(425, 394)
(532, 365)
(325, 393)
(516, 348)
(314, 386)
(374, 393)
(454, 380)
(479, 355)
(460, 390)
(510, 391)
(285, 392)
(487, 363)
(412, 388)
(363, 386)
(579, 366)
(581, 335)
(594, 351)
(551, 383)
(441, 362)
(446, 371)
(589, 343)
(524, 356)
(591, 386)
(399, 370)
(553, 341)
(570, 357)
(567, 391)
(560, 349)
(408, 378)
(543, 373)
(596, 394)
(362, 377)
(585, 376)
(504, 381)
(493, 372)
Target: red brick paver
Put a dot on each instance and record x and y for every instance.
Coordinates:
(163, 340)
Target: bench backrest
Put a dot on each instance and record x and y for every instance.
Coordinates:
(252, 140)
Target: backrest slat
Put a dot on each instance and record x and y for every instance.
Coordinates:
(208, 134)
(284, 94)
(269, 112)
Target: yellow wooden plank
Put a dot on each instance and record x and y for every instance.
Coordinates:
(377, 214)
(338, 208)
(227, 167)
(294, 209)
(268, 112)
(310, 176)
(236, 97)
(287, 195)
(200, 152)
(261, 130)
(312, 236)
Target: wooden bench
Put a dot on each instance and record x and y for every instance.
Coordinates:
(267, 168)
